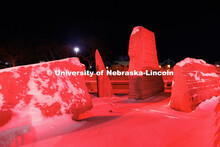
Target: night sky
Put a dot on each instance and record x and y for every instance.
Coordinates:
(182, 29)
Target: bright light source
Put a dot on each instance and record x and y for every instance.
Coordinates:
(217, 65)
(76, 49)
(159, 66)
(168, 66)
(106, 67)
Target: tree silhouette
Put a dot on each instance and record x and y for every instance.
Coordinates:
(12, 52)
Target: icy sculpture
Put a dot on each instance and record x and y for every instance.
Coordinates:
(143, 56)
(194, 82)
(104, 87)
(37, 87)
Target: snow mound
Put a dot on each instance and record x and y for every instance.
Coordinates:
(209, 104)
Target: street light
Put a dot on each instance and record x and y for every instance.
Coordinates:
(76, 49)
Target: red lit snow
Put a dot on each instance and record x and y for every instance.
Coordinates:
(34, 89)
(194, 82)
(35, 106)
(126, 122)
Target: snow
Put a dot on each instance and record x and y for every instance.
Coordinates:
(191, 74)
(194, 95)
(202, 80)
(209, 74)
(1, 100)
(16, 75)
(39, 129)
(76, 62)
(198, 78)
(72, 88)
(37, 84)
(130, 122)
(38, 93)
(37, 100)
(190, 60)
(135, 30)
(209, 104)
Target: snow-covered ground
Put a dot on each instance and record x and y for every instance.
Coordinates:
(119, 121)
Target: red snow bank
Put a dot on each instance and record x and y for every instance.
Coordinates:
(194, 82)
(38, 86)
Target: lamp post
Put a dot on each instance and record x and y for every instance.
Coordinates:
(76, 49)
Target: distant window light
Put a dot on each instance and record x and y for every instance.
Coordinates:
(168, 66)
(159, 66)
(106, 67)
(217, 65)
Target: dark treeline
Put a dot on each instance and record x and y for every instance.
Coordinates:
(17, 52)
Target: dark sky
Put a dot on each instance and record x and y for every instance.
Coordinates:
(182, 29)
